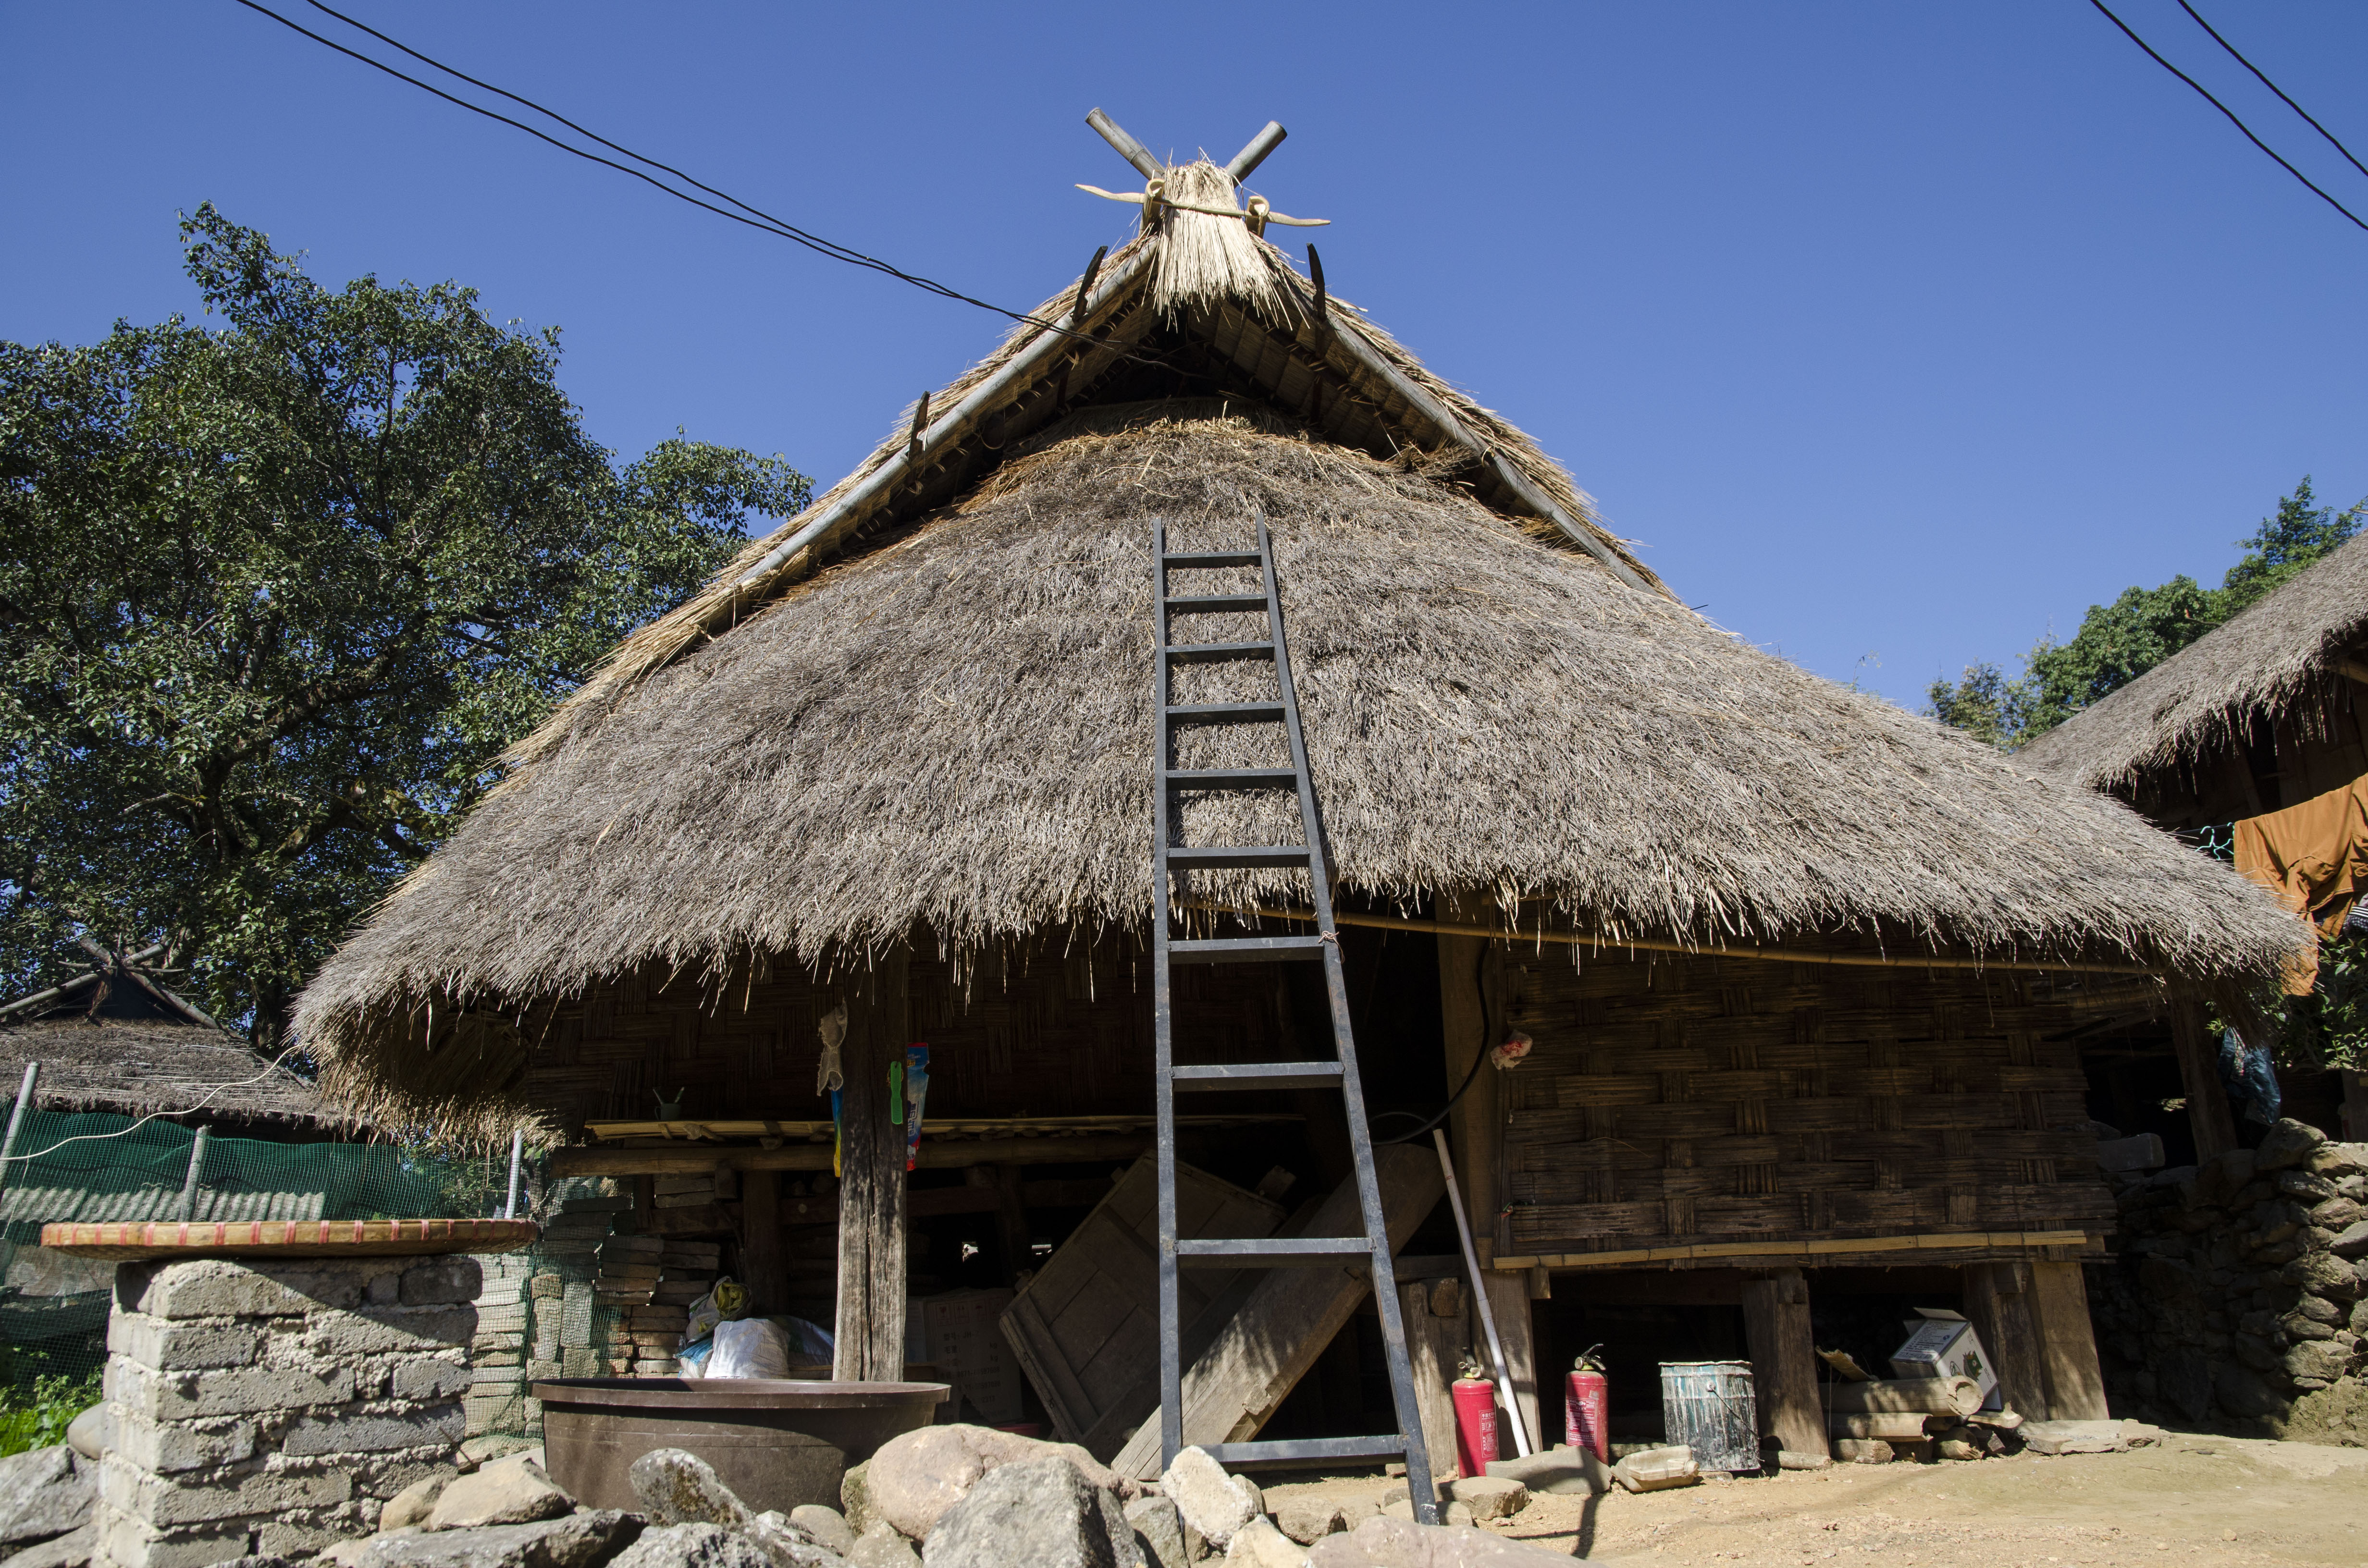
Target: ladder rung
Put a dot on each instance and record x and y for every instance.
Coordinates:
(1227, 713)
(1214, 558)
(1214, 653)
(1257, 1075)
(1231, 779)
(1245, 949)
(1213, 604)
(1298, 1450)
(1273, 1252)
(1237, 857)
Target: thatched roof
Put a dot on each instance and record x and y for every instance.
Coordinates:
(950, 726)
(2286, 647)
(140, 1068)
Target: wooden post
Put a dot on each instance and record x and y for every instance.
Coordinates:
(2067, 1343)
(1010, 1216)
(2199, 1075)
(869, 1323)
(1432, 1352)
(1508, 1299)
(1997, 1300)
(645, 1205)
(1784, 1361)
(1472, 1130)
(2354, 1116)
(761, 1258)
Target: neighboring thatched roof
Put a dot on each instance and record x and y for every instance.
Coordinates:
(950, 727)
(2289, 646)
(138, 1068)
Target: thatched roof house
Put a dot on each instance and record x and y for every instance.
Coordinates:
(1804, 973)
(2260, 713)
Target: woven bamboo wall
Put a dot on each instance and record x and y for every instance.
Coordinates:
(1696, 1100)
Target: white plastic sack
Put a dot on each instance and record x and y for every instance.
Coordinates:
(753, 1348)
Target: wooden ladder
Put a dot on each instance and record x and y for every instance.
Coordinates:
(1172, 858)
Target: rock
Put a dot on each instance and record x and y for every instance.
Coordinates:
(882, 1547)
(2072, 1436)
(679, 1488)
(73, 1550)
(915, 1477)
(40, 1495)
(2323, 1275)
(1385, 1542)
(1862, 1450)
(1304, 1519)
(2241, 1393)
(2351, 1241)
(1159, 1532)
(579, 1541)
(2138, 1434)
(87, 1433)
(513, 1491)
(2339, 1159)
(1040, 1513)
(1489, 1496)
(1791, 1459)
(1559, 1471)
(1259, 1545)
(1651, 1470)
(409, 1508)
(787, 1546)
(1957, 1448)
(1397, 1504)
(1207, 1498)
(2324, 1359)
(825, 1525)
(854, 1499)
(2289, 1143)
(692, 1545)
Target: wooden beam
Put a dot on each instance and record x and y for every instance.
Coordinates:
(869, 1323)
(1776, 1254)
(1474, 1134)
(1997, 1301)
(762, 1267)
(2068, 1342)
(2208, 1116)
(1784, 1360)
(1434, 1347)
(1508, 1301)
(691, 1160)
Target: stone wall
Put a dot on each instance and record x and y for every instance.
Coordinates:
(274, 1407)
(2236, 1294)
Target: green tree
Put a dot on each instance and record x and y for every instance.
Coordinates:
(2119, 642)
(274, 598)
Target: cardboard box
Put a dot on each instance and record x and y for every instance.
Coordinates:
(1943, 1345)
(958, 1331)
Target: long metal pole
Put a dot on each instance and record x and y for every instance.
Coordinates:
(188, 1209)
(1480, 1296)
(517, 1150)
(17, 1119)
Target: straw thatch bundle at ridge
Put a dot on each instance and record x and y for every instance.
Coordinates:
(2262, 665)
(926, 710)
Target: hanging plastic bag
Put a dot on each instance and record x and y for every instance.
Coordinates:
(726, 1301)
(753, 1348)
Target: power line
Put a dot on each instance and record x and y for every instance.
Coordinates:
(2273, 87)
(754, 218)
(2215, 103)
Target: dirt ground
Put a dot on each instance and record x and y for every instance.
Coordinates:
(2187, 1499)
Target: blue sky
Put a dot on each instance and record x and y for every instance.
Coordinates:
(1897, 334)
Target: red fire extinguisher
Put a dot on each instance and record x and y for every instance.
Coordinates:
(1475, 1425)
(1587, 1405)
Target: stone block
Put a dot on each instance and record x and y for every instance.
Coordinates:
(374, 1330)
(429, 1382)
(182, 1396)
(40, 1496)
(163, 1503)
(125, 1542)
(2072, 1436)
(288, 1537)
(169, 1445)
(73, 1550)
(439, 1424)
(1561, 1471)
(513, 1491)
(579, 1541)
(437, 1281)
(215, 1286)
(165, 1345)
(1489, 1496)
(2289, 1143)
(383, 1290)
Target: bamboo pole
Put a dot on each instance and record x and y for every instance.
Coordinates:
(16, 1120)
(1480, 1296)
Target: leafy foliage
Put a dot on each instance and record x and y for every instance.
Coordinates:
(37, 1416)
(274, 598)
(2119, 642)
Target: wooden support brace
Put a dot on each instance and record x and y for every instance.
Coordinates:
(1997, 1301)
(1783, 1360)
(1433, 1347)
(2067, 1340)
(1508, 1301)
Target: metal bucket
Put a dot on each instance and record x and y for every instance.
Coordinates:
(1711, 1408)
(776, 1442)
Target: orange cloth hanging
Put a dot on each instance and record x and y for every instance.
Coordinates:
(2314, 859)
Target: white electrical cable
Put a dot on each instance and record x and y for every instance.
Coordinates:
(152, 1116)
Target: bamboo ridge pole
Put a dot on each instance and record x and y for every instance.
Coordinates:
(1662, 945)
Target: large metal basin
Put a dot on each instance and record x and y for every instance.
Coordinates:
(777, 1442)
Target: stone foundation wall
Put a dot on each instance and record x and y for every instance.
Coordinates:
(274, 1407)
(2235, 1296)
